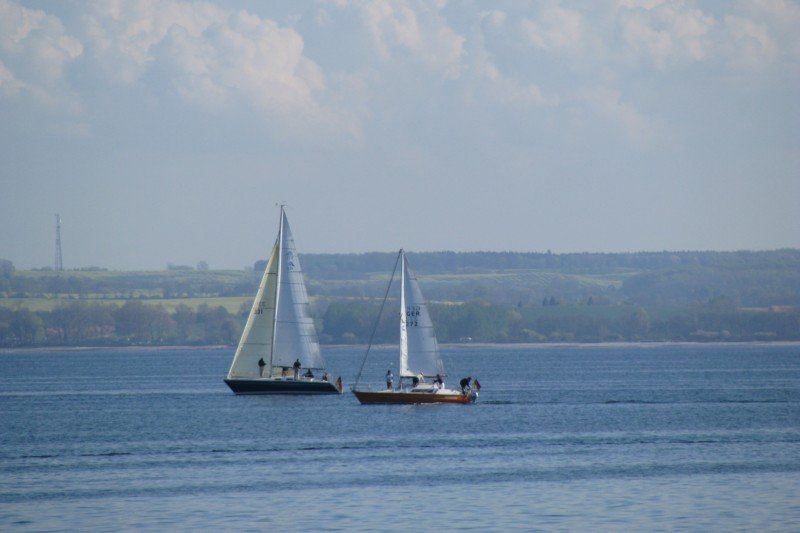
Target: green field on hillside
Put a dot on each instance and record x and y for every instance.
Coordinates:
(232, 304)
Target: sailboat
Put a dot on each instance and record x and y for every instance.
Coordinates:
(418, 353)
(278, 352)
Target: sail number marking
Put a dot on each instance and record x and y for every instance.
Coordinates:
(412, 315)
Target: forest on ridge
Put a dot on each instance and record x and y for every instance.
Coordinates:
(473, 297)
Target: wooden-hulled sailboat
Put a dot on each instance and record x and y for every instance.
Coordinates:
(420, 361)
(278, 352)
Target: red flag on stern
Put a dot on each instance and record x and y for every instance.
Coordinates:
(477, 384)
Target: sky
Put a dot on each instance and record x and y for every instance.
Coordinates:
(168, 131)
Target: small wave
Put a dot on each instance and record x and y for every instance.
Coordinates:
(633, 402)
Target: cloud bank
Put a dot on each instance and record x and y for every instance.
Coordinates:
(622, 124)
(217, 58)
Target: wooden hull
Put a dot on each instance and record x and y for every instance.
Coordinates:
(405, 397)
(281, 386)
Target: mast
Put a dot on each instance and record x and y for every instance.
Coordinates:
(59, 261)
(277, 291)
(403, 324)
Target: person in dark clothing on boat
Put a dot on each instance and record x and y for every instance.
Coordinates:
(389, 379)
(296, 367)
(465, 384)
(439, 382)
(415, 381)
(309, 374)
(261, 365)
(325, 376)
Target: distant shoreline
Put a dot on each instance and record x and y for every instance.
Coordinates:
(643, 344)
(455, 346)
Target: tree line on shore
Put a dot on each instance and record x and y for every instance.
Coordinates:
(76, 323)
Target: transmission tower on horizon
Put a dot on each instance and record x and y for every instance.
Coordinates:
(59, 262)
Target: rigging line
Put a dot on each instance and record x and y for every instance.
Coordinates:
(377, 320)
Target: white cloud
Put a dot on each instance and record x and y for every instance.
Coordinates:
(124, 35)
(417, 28)
(666, 34)
(609, 103)
(494, 18)
(555, 29)
(245, 57)
(500, 87)
(9, 84)
(510, 91)
(751, 42)
(761, 33)
(488, 80)
(34, 51)
(221, 59)
(642, 4)
(747, 35)
(217, 59)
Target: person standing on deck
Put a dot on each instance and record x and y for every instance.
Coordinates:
(261, 365)
(465, 384)
(389, 379)
(296, 367)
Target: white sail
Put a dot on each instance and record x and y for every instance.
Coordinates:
(295, 335)
(256, 340)
(422, 355)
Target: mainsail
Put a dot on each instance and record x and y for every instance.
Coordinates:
(295, 335)
(419, 351)
(279, 328)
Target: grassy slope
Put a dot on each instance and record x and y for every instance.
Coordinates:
(147, 285)
(231, 303)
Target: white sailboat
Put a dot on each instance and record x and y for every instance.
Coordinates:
(422, 372)
(278, 352)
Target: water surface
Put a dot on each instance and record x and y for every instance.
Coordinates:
(635, 437)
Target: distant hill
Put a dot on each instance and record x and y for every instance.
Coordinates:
(474, 296)
(747, 278)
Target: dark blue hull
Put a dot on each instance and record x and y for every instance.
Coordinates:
(280, 386)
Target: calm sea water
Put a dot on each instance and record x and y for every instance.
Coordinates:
(616, 438)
